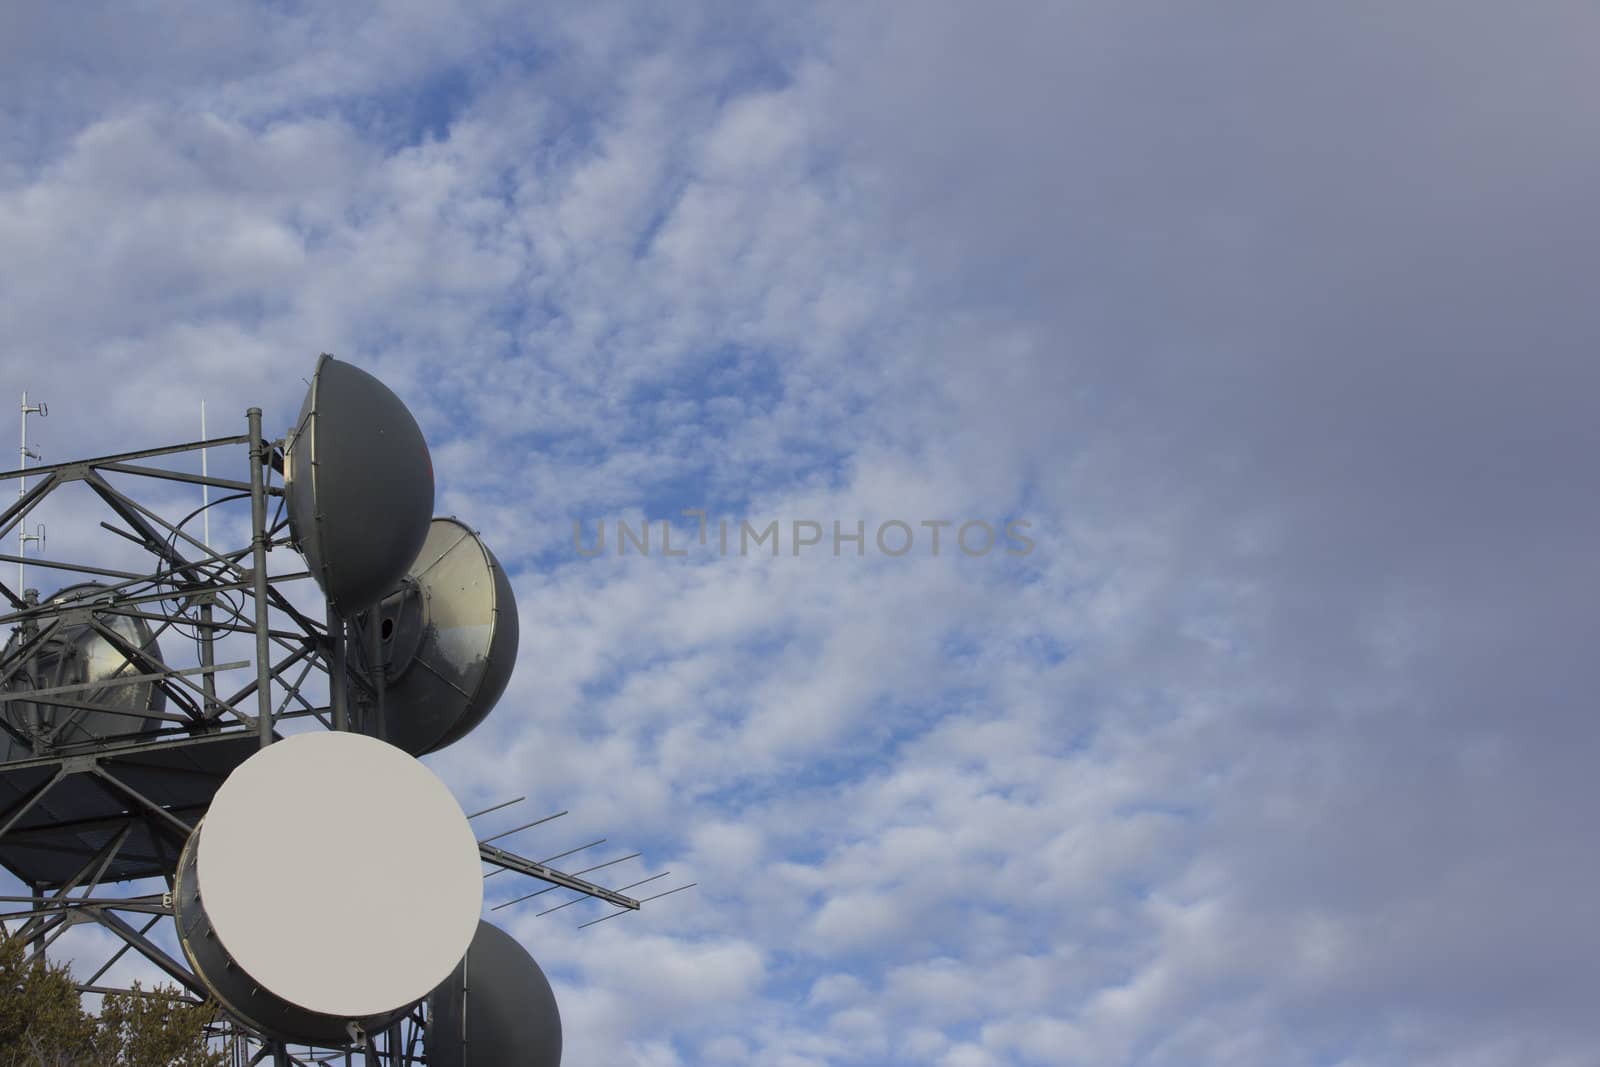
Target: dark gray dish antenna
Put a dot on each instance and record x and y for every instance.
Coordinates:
(496, 1008)
(359, 485)
(77, 667)
(448, 640)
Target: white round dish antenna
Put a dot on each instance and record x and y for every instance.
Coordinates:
(291, 902)
(447, 638)
(358, 483)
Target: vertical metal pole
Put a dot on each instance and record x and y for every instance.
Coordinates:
(396, 1050)
(378, 672)
(359, 709)
(337, 695)
(23, 536)
(258, 563)
(208, 652)
(205, 489)
(35, 889)
(34, 710)
(22, 490)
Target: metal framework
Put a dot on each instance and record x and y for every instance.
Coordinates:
(78, 817)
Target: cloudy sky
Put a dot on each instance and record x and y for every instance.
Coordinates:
(1273, 322)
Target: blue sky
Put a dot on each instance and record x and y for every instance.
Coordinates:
(1273, 322)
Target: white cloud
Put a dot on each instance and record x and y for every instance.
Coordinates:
(1267, 754)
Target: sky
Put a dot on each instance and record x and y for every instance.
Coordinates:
(1270, 741)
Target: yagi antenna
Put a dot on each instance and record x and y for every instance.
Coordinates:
(620, 889)
(519, 829)
(574, 874)
(624, 911)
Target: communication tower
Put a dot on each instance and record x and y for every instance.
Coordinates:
(241, 742)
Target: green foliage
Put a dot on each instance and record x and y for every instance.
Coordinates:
(141, 1030)
(42, 1023)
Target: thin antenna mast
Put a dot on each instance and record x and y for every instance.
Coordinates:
(205, 487)
(23, 536)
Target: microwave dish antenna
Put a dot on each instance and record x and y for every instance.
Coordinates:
(447, 640)
(496, 1007)
(313, 960)
(88, 677)
(358, 484)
